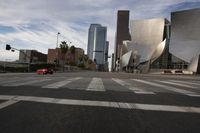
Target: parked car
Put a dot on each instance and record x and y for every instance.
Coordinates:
(44, 71)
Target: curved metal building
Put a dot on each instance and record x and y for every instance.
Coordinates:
(185, 36)
(147, 43)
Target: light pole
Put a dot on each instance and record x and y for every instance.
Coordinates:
(57, 50)
(57, 39)
(5, 64)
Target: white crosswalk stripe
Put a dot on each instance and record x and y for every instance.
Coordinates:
(178, 84)
(132, 88)
(170, 88)
(12, 80)
(61, 83)
(27, 83)
(96, 85)
(92, 103)
(7, 103)
(185, 82)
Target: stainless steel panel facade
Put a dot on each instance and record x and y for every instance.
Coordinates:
(185, 34)
(146, 35)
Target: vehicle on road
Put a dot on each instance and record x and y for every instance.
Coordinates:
(44, 71)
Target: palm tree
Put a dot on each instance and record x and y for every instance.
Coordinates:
(72, 49)
(64, 48)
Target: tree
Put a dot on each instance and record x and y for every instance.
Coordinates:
(72, 49)
(90, 61)
(83, 60)
(72, 52)
(64, 48)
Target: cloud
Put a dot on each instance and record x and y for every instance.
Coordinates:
(34, 24)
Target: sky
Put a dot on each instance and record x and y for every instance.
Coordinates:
(34, 24)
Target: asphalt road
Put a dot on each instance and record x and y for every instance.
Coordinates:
(99, 102)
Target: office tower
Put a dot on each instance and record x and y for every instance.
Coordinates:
(97, 45)
(90, 47)
(122, 32)
(100, 43)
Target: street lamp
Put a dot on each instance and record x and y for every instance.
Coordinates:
(6, 60)
(57, 39)
(57, 50)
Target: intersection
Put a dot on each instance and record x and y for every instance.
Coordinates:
(99, 102)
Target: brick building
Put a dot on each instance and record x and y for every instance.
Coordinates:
(69, 58)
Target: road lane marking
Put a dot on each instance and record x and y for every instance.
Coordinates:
(178, 84)
(132, 88)
(185, 92)
(28, 82)
(184, 82)
(61, 83)
(170, 88)
(96, 85)
(7, 103)
(11, 80)
(194, 95)
(122, 105)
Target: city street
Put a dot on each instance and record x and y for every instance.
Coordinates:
(99, 102)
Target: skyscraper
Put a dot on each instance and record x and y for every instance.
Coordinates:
(97, 49)
(90, 47)
(122, 32)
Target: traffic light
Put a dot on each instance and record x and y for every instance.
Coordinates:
(8, 47)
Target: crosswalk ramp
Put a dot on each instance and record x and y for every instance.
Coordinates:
(137, 86)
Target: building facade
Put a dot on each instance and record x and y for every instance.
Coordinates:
(32, 56)
(106, 56)
(148, 42)
(98, 46)
(185, 40)
(55, 56)
(122, 32)
(165, 59)
(90, 47)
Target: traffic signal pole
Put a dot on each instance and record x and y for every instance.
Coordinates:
(8, 47)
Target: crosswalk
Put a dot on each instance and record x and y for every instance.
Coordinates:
(137, 86)
(132, 88)
(96, 85)
(61, 83)
(170, 88)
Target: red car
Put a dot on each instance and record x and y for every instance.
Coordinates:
(44, 71)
